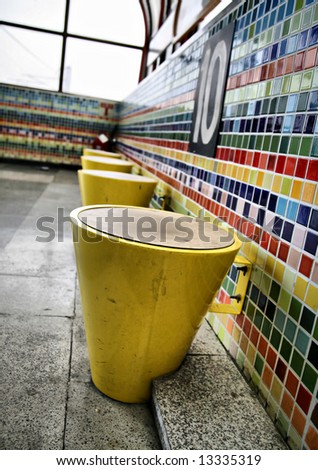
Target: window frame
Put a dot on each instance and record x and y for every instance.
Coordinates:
(65, 35)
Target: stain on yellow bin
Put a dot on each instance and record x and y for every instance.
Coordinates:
(107, 164)
(101, 153)
(112, 187)
(146, 279)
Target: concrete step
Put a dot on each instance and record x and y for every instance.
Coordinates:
(207, 404)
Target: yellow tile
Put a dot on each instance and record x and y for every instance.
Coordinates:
(300, 287)
(312, 297)
(308, 192)
(260, 178)
(251, 352)
(277, 182)
(269, 264)
(246, 175)
(253, 177)
(316, 197)
(267, 182)
(296, 189)
(276, 389)
(239, 173)
(279, 271)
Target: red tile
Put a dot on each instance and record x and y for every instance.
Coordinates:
(247, 326)
(271, 162)
(292, 383)
(271, 357)
(254, 335)
(283, 251)
(306, 265)
(310, 58)
(280, 67)
(264, 72)
(271, 70)
(273, 246)
(280, 369)
(281, 162)
(262, 346)
(289, 64)
(299, 61)
(290, 166)
(312, 173)
(265, 240)
(301, 167)
(263, 161)
(303, 398)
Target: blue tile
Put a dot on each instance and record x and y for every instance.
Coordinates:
(281, 206)
(278, 225)
(311, 243)
(292, 103)
(314, 220)
(313, 101)
(288, 231)
(313, 36)
(246, 209)
(303, 215)
(272, 203)
(292, 209)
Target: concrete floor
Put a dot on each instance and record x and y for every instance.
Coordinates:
(49, 399)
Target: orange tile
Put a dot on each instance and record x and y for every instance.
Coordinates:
(298, 420)
(296, 189)
(308, 192)
(267, 376)
(287, 403)
(312, 438)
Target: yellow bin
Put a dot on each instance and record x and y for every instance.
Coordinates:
(104, 163)
(114, 187)
(146, 279)
(101, 153)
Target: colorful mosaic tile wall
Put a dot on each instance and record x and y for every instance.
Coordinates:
(50, 127)
(262, 181)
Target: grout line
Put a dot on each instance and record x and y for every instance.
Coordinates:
(70, 367)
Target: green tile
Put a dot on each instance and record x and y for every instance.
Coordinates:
(307, 319)
(258, 319)
(296, 82)
(295, 23)
(297, 362)
(314, 150)
(306, 17)
(275, 291)
(285, 349)
(284, 144)
(284, 300)
(316, 13)
(290, 330)
(299, 5)
(259, 142)
(302, 341)
(294, 145)
(286, 84)
(305, 146)
(275, 141)
(306, 81)
(275, 338)
(250, 311)
(295, 309)
(315, 79)
(259, 363)
(266, 142)
(279, 320)
(286, 185)
(309, 377)
(266, 284)
(266, 327)
(315, 333)
(286, 26)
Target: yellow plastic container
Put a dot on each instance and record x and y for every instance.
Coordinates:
(112, 187)
(101, 153)
(107, 164)
(147, 278)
